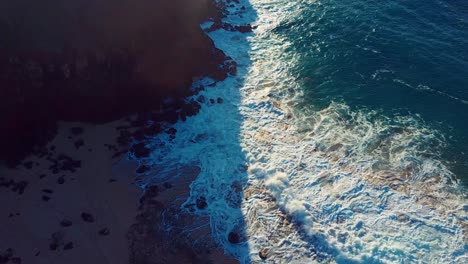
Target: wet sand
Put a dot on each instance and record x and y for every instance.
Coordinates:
(79, 204)
(67, 190)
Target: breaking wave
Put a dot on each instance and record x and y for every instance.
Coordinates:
(338, 184)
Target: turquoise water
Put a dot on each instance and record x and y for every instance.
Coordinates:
(405, 58)
(336, 141)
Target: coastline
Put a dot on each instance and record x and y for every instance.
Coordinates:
(70, 180)
(303, 196)
(91, 209)
(226, 172)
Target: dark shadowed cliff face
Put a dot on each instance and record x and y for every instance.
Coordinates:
(95, 61)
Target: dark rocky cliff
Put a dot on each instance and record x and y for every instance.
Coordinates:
(96, 61)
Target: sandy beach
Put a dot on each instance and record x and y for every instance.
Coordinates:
(69, 192)
(79, 204)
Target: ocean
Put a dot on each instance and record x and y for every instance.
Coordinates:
(342, 138)
(405, 58)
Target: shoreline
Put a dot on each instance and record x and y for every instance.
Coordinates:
(94, 212)
(71, 194)
(227, 175)
(295, 180)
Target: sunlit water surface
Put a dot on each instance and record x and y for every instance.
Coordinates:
(325, 175)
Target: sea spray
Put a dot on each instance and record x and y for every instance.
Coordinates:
(339, 184)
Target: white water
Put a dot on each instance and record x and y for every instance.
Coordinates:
(335, 185)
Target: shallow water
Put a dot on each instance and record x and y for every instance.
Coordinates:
(304, 173)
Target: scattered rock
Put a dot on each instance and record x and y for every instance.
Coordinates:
(68, 246)
(66, 223)
(140, 150)
(49, 191)
(219, 100)
(19, 187)
(244, 29)
(61, 180)
(12, 215)
(6, 183)
(37, 253)
(45, 198)
(112, 180)
(167, 185)
(87, 217)
(53, 246)
(233, 238)
(263, 254)
(212, 101)
(64, 163)
(79, 143)
(104, 232)
(201, 99)
(171, 131)
(198, 89)
(57, 237)
(42, 176)
(403, 218)
(142, 169)
(189, 109)
(201, 203)
(226, 26)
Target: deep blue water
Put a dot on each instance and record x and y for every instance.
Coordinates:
(397, 57)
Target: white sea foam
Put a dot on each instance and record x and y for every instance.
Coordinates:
(339, 185)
